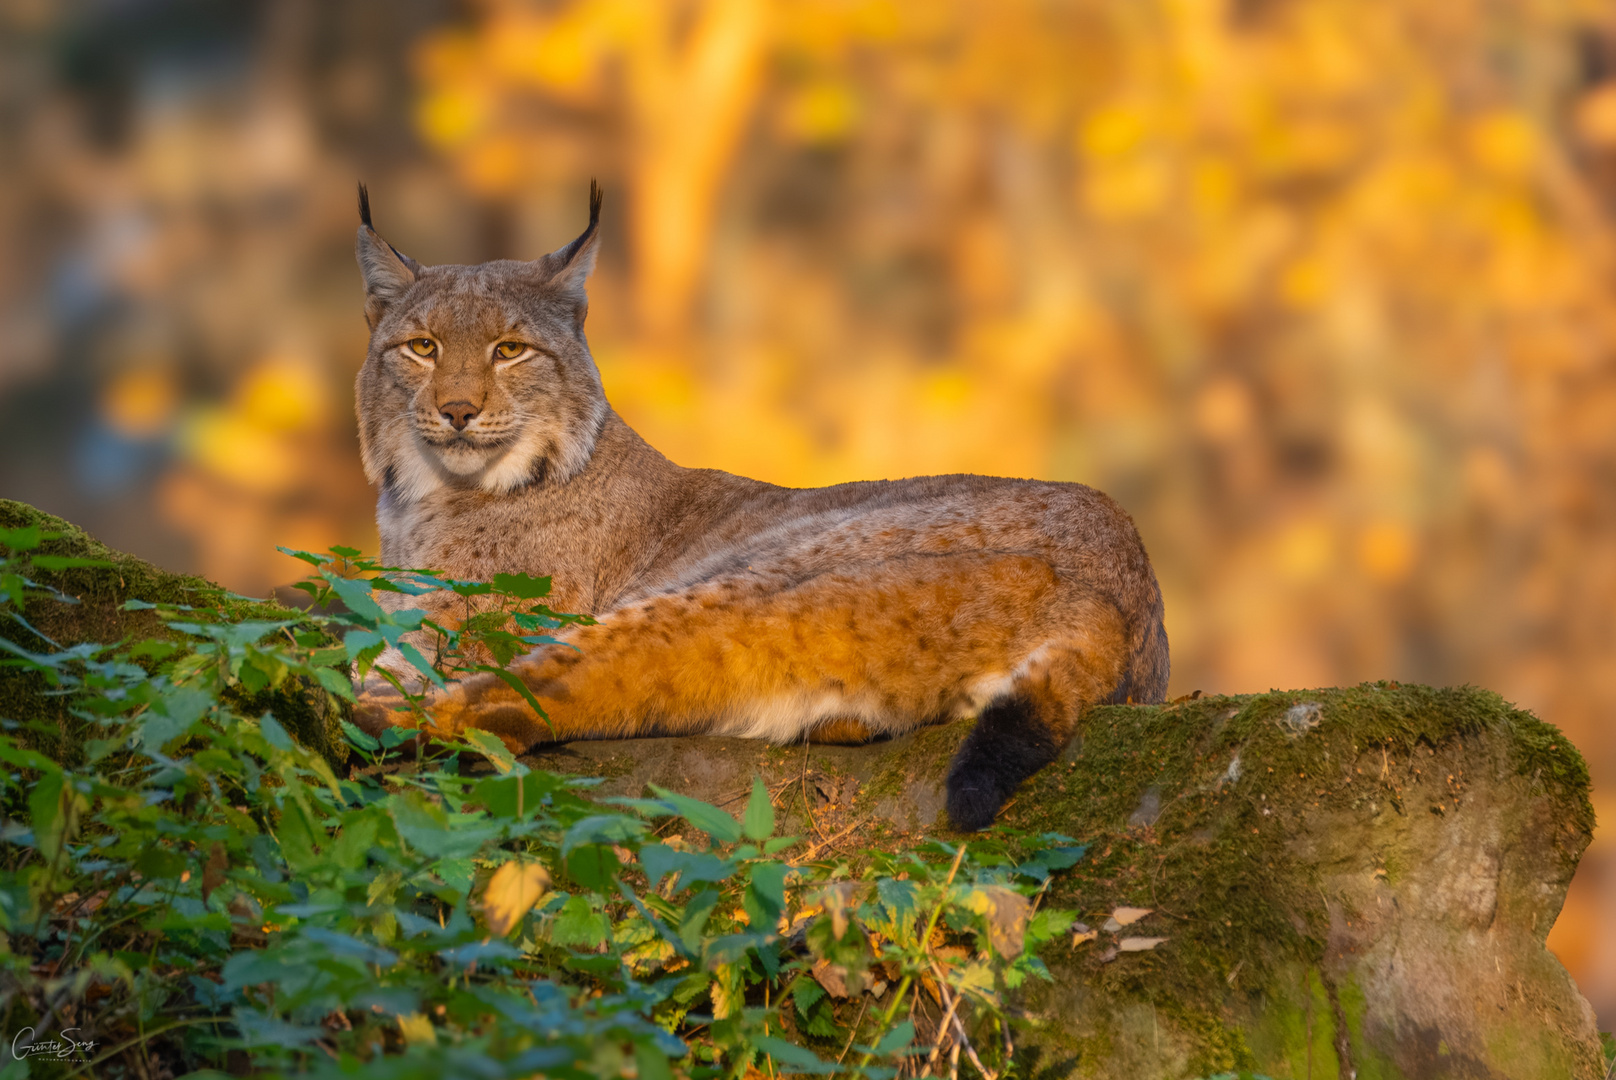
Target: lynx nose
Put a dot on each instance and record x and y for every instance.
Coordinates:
(459, 413)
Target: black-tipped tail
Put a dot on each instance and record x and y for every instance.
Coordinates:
(1011, 741)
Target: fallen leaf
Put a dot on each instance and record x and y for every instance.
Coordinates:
(1082, 936)
(833, 977)
(1127, 916)
(512, 892)
(416, 1028)
(1139, 944)
(1005, 911)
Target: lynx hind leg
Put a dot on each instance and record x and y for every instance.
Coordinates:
(1027, 728)
(841, 731)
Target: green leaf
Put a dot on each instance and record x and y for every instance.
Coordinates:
(758, 820)
(311, 559)
(360, 739)
(356, 838)
(47, 810)
(420, 663)
(276, 735)
(490, 747)
(357, 642)
(510, 679)
(335, 682)
(425, 827)
(704, 816)
(355, 594)
(579, 925)
(153, 649)
(26, 759)
(594, 866)
(805, 993)
(175, 713)
(601, 829)
(697, 912)
(498, 795)
(896, 1039)
(765, 896)
(651, 1063)
(520, 585)
(693, 867)
(795, 1058)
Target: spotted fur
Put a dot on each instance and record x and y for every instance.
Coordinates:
(727, 605)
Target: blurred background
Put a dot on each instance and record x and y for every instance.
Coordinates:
(1323, 291)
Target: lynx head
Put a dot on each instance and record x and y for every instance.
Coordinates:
(477, 376)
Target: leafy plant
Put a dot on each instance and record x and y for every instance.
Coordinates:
(205, 892)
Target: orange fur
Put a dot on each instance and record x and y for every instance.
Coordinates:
(909, 640)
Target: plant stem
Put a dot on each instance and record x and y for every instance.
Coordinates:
(126, 1044)
(903, 987)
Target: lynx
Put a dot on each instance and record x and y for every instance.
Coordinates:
(726, 606)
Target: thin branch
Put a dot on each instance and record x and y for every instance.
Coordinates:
(823, 844)
(959, 1029)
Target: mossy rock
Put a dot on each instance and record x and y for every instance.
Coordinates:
(1350, 882)
(99, 616)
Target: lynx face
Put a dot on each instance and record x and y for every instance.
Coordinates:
(477, 376)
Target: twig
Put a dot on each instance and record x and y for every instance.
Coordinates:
(953, 1062)
(853, 1031)
(817, 848)
(942, 1025)
(959, 1029)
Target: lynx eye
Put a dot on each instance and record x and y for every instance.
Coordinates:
(423, 347)
(509, 350)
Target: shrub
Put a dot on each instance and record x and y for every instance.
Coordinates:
(204, 891)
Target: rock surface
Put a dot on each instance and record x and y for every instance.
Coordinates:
(1350, 883)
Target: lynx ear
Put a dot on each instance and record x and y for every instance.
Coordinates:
(567, 270)
(388, 272)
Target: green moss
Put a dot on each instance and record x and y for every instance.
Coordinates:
(1220, 859)
(1294, 1034)
(926, 753)
(98, 616)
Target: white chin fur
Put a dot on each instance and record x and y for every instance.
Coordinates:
(514, 467)
(462, 460)
(420, 469)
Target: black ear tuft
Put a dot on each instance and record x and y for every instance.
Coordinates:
(572, 264)
(364, 206)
